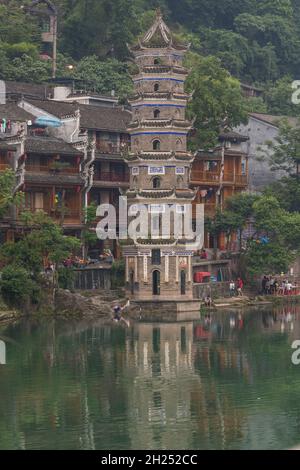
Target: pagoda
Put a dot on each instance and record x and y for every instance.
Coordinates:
(159, 269)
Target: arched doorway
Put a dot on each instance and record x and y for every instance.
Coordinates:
(156, 282)
(183, 282)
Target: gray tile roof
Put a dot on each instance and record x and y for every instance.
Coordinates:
(49, 145)
(275, 120)
(30, 90)
(92, 117)
(11, 111)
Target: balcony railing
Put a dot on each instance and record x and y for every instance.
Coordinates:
(49, 169)
(215, 177)
(71, 216)
(111, 177)
(108, 147)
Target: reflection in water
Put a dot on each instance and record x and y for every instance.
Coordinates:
(223, 382)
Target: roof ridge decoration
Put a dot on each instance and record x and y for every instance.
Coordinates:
(160, 26)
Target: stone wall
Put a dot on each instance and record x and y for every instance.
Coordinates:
(215, 290)
(92, 278)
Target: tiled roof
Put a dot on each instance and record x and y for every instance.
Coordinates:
(30, 90)
(49, 145)
(11, 111)
(53, 178)
(233, 136)
(92, 117)
(274, 120)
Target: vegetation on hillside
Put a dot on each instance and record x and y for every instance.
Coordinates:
(256, 41)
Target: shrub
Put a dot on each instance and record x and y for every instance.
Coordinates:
(17, 287)
(118, 273)
(66, 278)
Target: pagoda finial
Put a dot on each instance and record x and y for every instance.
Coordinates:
(158, 13)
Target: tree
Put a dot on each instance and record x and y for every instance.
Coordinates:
(216, 98)
(277, 238)
(7, 195)
(287, 192)
(42, 240)
(16, 286)
(284, 152)
(88, 235)
(103, 77)
(278, 97)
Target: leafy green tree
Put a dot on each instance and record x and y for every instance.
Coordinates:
(88, 235)
(287, 192)
(43, 240)
(7, 195)
(217, 98)
(16, 286)
(284, 152)
(278, 97)
(281, 232)
(103, 77)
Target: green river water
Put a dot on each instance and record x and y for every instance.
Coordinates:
(225, 382)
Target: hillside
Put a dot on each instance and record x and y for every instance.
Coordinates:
(256, 41)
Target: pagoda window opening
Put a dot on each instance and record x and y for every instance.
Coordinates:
(156, 257)
(157, 61)
(156, 145)
(156, 183)
(180, 182)
(156, 87)
(178, 144)
(156, 114)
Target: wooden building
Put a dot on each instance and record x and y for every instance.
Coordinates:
(218, 175)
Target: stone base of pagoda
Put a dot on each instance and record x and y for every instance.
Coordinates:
(168, 310)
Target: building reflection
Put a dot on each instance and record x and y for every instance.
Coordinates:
(165, 386)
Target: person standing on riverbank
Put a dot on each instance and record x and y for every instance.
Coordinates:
(232, 288)
(239, 287)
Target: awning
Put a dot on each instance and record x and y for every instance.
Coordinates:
(46, 121)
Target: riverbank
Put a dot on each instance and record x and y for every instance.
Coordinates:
(98, 305)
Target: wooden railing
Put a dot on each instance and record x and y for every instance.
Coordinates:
(48, 169)
(214, 177)
(111, 177)
(108, 147)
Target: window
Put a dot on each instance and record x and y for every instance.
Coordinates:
(156, 113)
(178, 144)
(156, 87)
(156, 183)
(156, 145)
(211, 165)
(180, 182)
(156, 257)
(135, 182)
(156, 61)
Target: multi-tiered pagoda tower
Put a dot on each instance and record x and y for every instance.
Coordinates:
(159, 269)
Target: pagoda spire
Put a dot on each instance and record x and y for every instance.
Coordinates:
(159, 27)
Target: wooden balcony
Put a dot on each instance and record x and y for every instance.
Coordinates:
(209, 177)
(108, 148)
(52, 170)
(111, 180)
(72, 217)
(209, 209)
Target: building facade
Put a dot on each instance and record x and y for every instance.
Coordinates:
(159, 268)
